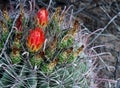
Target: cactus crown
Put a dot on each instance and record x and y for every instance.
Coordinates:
(45, 54)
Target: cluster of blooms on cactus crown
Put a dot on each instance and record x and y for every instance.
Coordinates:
(36, 36)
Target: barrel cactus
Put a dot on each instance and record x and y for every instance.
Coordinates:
(44, 51)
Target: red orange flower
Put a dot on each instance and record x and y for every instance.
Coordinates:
(42, 17)
(35, 39)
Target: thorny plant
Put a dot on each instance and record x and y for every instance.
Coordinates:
(66, 59)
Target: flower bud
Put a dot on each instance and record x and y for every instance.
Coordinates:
(35, 39)
(42, 17)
